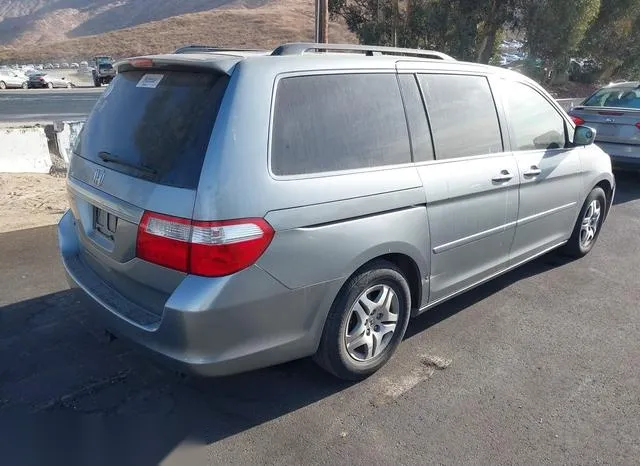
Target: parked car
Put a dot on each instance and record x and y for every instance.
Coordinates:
(64, 65)
(12, 79)
(48, 66)
(74, 66)
(42, 80)
(56, 65)
(614, 113)
(234, 212)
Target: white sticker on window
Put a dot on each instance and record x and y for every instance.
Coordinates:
(150, 81)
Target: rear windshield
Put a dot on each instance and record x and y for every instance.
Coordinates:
(154, 125)
(615, 97)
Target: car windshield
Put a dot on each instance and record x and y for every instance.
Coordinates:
(615, 97)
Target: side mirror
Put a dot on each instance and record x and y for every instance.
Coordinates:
(584, 136)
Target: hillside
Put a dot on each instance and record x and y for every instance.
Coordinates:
(28, 22)
(265, 26)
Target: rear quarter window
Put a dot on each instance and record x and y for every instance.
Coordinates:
(160, 132)
(326, 123)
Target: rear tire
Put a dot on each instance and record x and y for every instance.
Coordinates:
(69, 85)
(49, 85)
(3, 85)
(366, 323)
(25, 85)
(588, 226)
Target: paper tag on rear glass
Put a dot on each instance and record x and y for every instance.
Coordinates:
(150, 81)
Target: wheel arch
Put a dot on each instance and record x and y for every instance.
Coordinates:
(608, 188)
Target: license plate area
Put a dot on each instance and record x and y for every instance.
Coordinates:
(105, 223)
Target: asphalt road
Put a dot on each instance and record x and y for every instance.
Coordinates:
(544, 370)
(44, 105)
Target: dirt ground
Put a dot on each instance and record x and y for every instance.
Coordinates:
(30, 200)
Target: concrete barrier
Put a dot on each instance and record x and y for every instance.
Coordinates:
(24, 150)
(66, 133)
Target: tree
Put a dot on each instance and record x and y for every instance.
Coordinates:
(466, 29)
(555, 28)
(613, 37)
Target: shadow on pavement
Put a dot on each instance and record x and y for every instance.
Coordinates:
(449, 308)
(67, 389)
(627, 187)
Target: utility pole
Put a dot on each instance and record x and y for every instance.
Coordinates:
(395, 12)
(322, 22)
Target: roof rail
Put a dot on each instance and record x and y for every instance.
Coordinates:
(369, 50)
(194, 48)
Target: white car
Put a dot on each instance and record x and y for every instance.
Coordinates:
(13, 79)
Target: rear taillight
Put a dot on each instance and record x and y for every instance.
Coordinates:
(638, 125)
(211, 249)
(577, 120)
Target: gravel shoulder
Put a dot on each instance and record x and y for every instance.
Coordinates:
(30, 200)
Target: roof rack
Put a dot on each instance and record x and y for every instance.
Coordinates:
(369, 50)
(194, 48)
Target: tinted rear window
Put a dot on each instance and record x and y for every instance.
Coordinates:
(162, 128)
(338, 122)
(615, 97)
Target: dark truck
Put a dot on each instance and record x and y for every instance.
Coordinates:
(103, 71)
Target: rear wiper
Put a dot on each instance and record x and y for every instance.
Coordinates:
(107, 157)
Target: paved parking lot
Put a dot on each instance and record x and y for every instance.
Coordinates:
(542, 368)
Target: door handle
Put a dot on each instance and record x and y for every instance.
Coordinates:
(533, 171)
(503, 177)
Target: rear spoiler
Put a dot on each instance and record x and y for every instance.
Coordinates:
(182, 62)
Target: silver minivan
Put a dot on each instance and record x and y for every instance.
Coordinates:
(233, 210)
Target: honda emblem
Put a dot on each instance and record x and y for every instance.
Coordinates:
(98, 176)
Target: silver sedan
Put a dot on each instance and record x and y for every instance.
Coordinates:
(614, 112)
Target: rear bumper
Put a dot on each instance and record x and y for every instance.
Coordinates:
(622, 155)
(210, 327)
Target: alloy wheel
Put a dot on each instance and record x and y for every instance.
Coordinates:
(590, 223)
(371, 323)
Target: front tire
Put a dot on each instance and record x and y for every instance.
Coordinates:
(588, 226)
(3, 85)
(366, 323)
(25, 85)
(50, 85)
